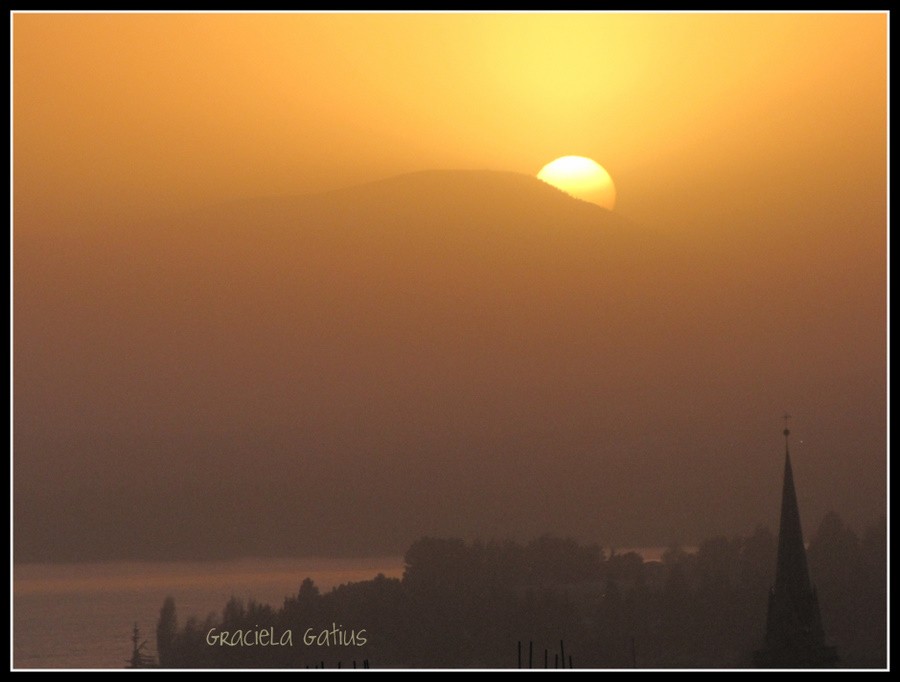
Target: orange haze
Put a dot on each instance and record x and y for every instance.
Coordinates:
(260, 308)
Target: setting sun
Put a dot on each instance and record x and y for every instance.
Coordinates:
(582, 178)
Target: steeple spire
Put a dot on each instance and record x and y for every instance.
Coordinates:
(794, 635)
(791, 573)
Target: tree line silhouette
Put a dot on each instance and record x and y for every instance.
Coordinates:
(467, 604)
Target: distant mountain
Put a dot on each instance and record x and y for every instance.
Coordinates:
(459, 193)
(468, 353)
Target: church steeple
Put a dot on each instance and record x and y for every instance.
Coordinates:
(794, 635)
(791, 571)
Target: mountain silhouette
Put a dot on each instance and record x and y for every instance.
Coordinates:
(450, 353)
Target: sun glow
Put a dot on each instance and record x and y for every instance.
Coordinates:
(582, 178)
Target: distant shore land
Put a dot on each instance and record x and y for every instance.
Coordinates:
(467, 605)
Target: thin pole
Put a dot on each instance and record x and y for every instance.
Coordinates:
(520, 654)
(530, 651)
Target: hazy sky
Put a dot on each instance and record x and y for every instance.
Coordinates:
(681, 109)
(753, 146)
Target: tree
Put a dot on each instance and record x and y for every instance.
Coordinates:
(166, 634)
(833, 553)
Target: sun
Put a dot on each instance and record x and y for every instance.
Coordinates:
(582, 178)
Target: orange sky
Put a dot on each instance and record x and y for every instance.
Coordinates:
(473, 324)
(134, 111)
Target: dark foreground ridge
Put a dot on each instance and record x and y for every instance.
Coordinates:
(473, 605)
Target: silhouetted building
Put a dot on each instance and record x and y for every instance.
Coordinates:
(794, 634)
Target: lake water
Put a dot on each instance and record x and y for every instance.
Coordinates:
(82, 615)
